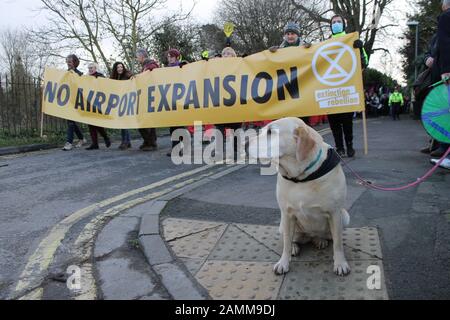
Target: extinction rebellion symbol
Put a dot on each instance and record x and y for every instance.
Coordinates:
(335, 73)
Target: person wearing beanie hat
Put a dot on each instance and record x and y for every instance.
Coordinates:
(292, 39)
(173, 57)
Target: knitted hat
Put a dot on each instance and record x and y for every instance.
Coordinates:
(292, 27)
(174, 53)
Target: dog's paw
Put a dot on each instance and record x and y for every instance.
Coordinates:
(295, 249)
(281, 266)
(320, 243)
(341, 268)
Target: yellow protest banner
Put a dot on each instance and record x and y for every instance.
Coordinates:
(323, 79)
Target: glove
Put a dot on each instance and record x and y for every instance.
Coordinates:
(273, 49)
(183, 63)
(307, 45)
(358, 44)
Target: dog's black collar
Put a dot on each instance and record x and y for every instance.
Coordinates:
(329, 164)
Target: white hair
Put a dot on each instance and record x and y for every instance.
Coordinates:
(93, 64)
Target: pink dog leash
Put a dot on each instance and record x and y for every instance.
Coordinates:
(411, 185)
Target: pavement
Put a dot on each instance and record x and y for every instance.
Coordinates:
(210, 232)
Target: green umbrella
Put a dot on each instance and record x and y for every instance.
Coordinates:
(436, 113)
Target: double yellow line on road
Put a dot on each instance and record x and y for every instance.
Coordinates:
(42, 257)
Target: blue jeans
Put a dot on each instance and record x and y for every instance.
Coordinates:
(71, 128)
(125, 135)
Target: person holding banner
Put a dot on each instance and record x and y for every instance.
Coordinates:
(93, 130)
(342, 124)
(292, 39)
(119, 72)
(72, 65)
(174, 59)
(149, 135)
(229, 52)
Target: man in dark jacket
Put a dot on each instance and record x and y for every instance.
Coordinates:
(149, 135)
(292, 38)
(93, 130)
(443, 59)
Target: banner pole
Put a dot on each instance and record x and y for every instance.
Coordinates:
(366, 147)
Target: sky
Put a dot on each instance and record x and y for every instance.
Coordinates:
(16, 13)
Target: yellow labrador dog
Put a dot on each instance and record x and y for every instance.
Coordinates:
(311, 189)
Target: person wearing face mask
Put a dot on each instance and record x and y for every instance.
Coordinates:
(342, 124)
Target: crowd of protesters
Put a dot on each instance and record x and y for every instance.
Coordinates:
(378, 102)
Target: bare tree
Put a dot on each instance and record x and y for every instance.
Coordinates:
(259, 23)
(101, 29)
(17, 48)
(362, 16)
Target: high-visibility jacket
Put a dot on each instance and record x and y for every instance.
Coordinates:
(364, 56)
(395, 97)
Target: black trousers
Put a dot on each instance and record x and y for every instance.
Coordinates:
(342, 127)
(234, 126)
(172, 130)
(149, 136)
(93, 132)
(396, 110)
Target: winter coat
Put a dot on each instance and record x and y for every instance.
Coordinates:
(443, 40)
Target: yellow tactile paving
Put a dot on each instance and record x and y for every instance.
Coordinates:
(193, 264)
(316, 281)
(237, 280)
(177, 228)
(236, 261)
(238, 246)
(359, 243)
(197, 245)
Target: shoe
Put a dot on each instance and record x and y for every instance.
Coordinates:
(93, 147)
(445, 164)
(107, 142)
(80, 143)
(437, 153)
(425, 150)
(125, 146)
(341, 152)
(149, 148)
(169, 154)
(350, 152)
(67, 147)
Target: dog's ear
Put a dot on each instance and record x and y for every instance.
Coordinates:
(305, 143)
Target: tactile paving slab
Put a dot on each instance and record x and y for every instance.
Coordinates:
(192, 264)
(359, 243)
(317, 281)
(236, 245)
(237, 280)
(178, 228)
(197, 245)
